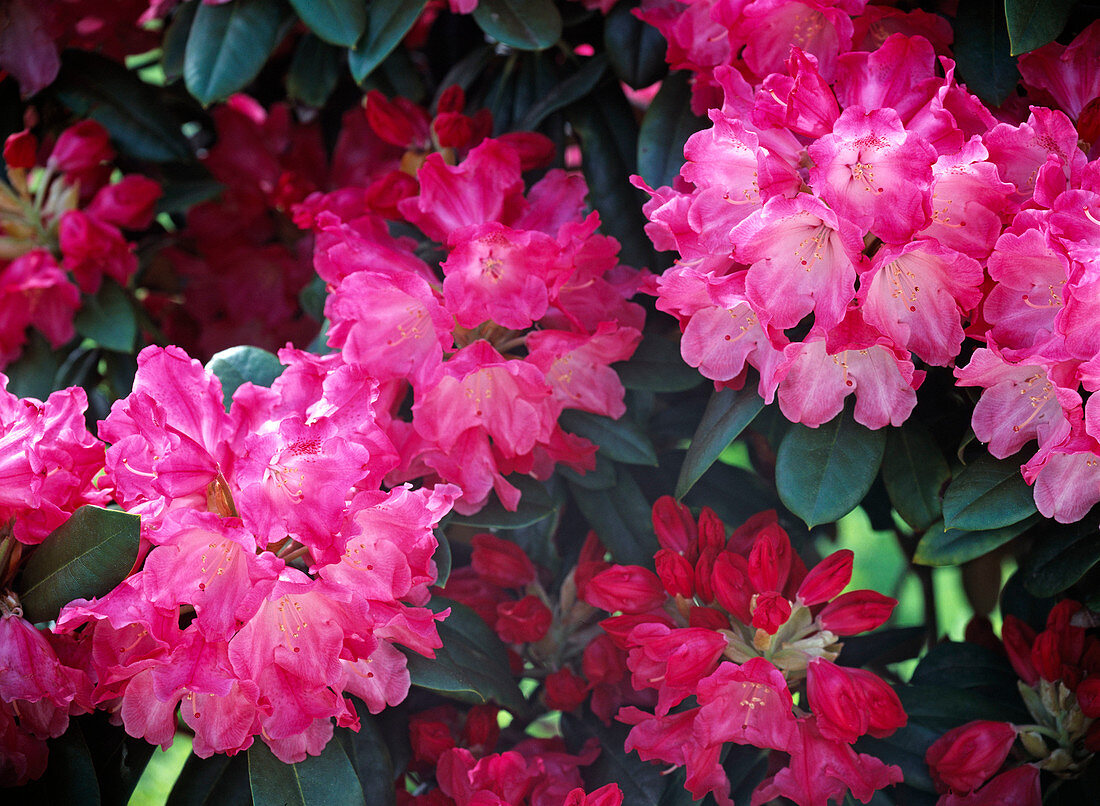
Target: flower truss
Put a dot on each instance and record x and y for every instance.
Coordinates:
(741, 625)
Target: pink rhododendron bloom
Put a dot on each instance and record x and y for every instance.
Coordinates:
(966, 757)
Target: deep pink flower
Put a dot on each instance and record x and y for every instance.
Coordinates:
(625, 587)
(524, 621)
(826, 579)
(966, 757)
(856, 612)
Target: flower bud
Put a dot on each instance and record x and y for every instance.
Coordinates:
(20, 150)
(1088, 122)
(606, 795)
(708, 618)
(1034, 743)
(856, 612)
(1018, 638)
(674, 525)
(452, 99)
(712, 532)
(704, 572)
(1088, 697)
(501, 562)
(770, 559)
(966, 757)
(732, 588)
(524, 621)
(482, 728)
(827, 579)
(628, 588)
(564, 690)
(399, 122)
(676, 573)
(82, 147)
(128, 203)
(535, 150)
(770, 611)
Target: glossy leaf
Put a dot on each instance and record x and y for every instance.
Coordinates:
(339, 22)
(317, 781)
(1034, 23)
(244, 364)
(228, 45)
(520, 24)
(534, 505)
(108, 319)
(823, 473)
(905, 747)
(967, 666)
(882, 646)
(666, 127)
(636, 48)
(175, 41)
(442, 558)
(135, 114)
(71, 776)
(727, 414)
(657, 366)
(34, 372)
(215, 781)
(983, 52)
(945, 707)
(314, 71)
(914, 471)
(181, 194)
(370, 757)
(622, 517)
(472, 665)
(119, 759)
(619, 440)
(565, 92)
(987, 494)
(941, 546)
(1063, 554)
(387, 23)
(86, 556)
(601, 478)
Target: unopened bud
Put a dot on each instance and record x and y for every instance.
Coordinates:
(1058, 761)
(1034, 744)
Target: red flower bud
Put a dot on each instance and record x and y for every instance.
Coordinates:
(676, 573)
(399, 122)
(732, 587)
(770, 612)
(82, 147)
(20, 150)
(429, 738)
(535, 150)
(128, 203)
(565, 690)
(1016, 787)
(851, 702)
(674, 525)
(452, 99)
(628, 588)
(712, 532)
(1018, 638)
(482, 728)
(744, 536)
(590, 563)
(524, 621)
(965, 758)
(1088, 697)
(770, 559)
(453, 129)
(856, 611)
(708, 618)
(826, 579)
(602, 662)
(501, 562)
(1046, 655)
(606, 795)
(383, 194)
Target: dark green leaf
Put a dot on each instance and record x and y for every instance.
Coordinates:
(745, 766)
(339, 22)
(175, 41)
(958, 664)
(564, 92)
(882, 647)
(619, 440)
(534, 505)
(601, 478)
(312, 298)
(34, 373)
(1034, 23)
(604, 123)
(726, 416)
(521, 24)
(636, 48)
(988, 494)
(215, 781)
(983, 52)
(71, 777)
(641, 782)
(442, 558)
(180, 195)
(314, 71)
(823, 473)
(108, 319)
(86, 556)
(135, 113)
(667, 125)
(941, 546)
(370, 758)
(914, 472)
(622, 517)
(322, 780)
(119, 759)
(943, 708)
(906, 748)
(472, 666)
(228, 45)
(388, 22)
(1062, 556)
(244, 364)
(657, 366)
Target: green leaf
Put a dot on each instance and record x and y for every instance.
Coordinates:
(339, 22)
(215, 781)
(244, 364)
(314, 71)
(726, 416)
(472, 665)
(941, 546)
(914, 472)
(666, 127)
(180, 195)
(1032, 24)
(228, 45)
(823, 473)
(966, 666)
(565, 92)
(520, 24)
(135, 114)
(86, 556)
(534, 505)
(943, 708)
(370, 757)
(657, 366)
(622, 517)
(988, 494)
(619, 440)
(442, 558)
(1061, 557)
(983, 52)
(71, 776)
(601, 478)
(636, 48)
(905, 747)
(387, 23)
(175, 41)
(323, 780)
(108, 319)
(642, 783)
(34, 372)
(119, 759)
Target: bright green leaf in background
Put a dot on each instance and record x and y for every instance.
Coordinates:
(86, 556)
